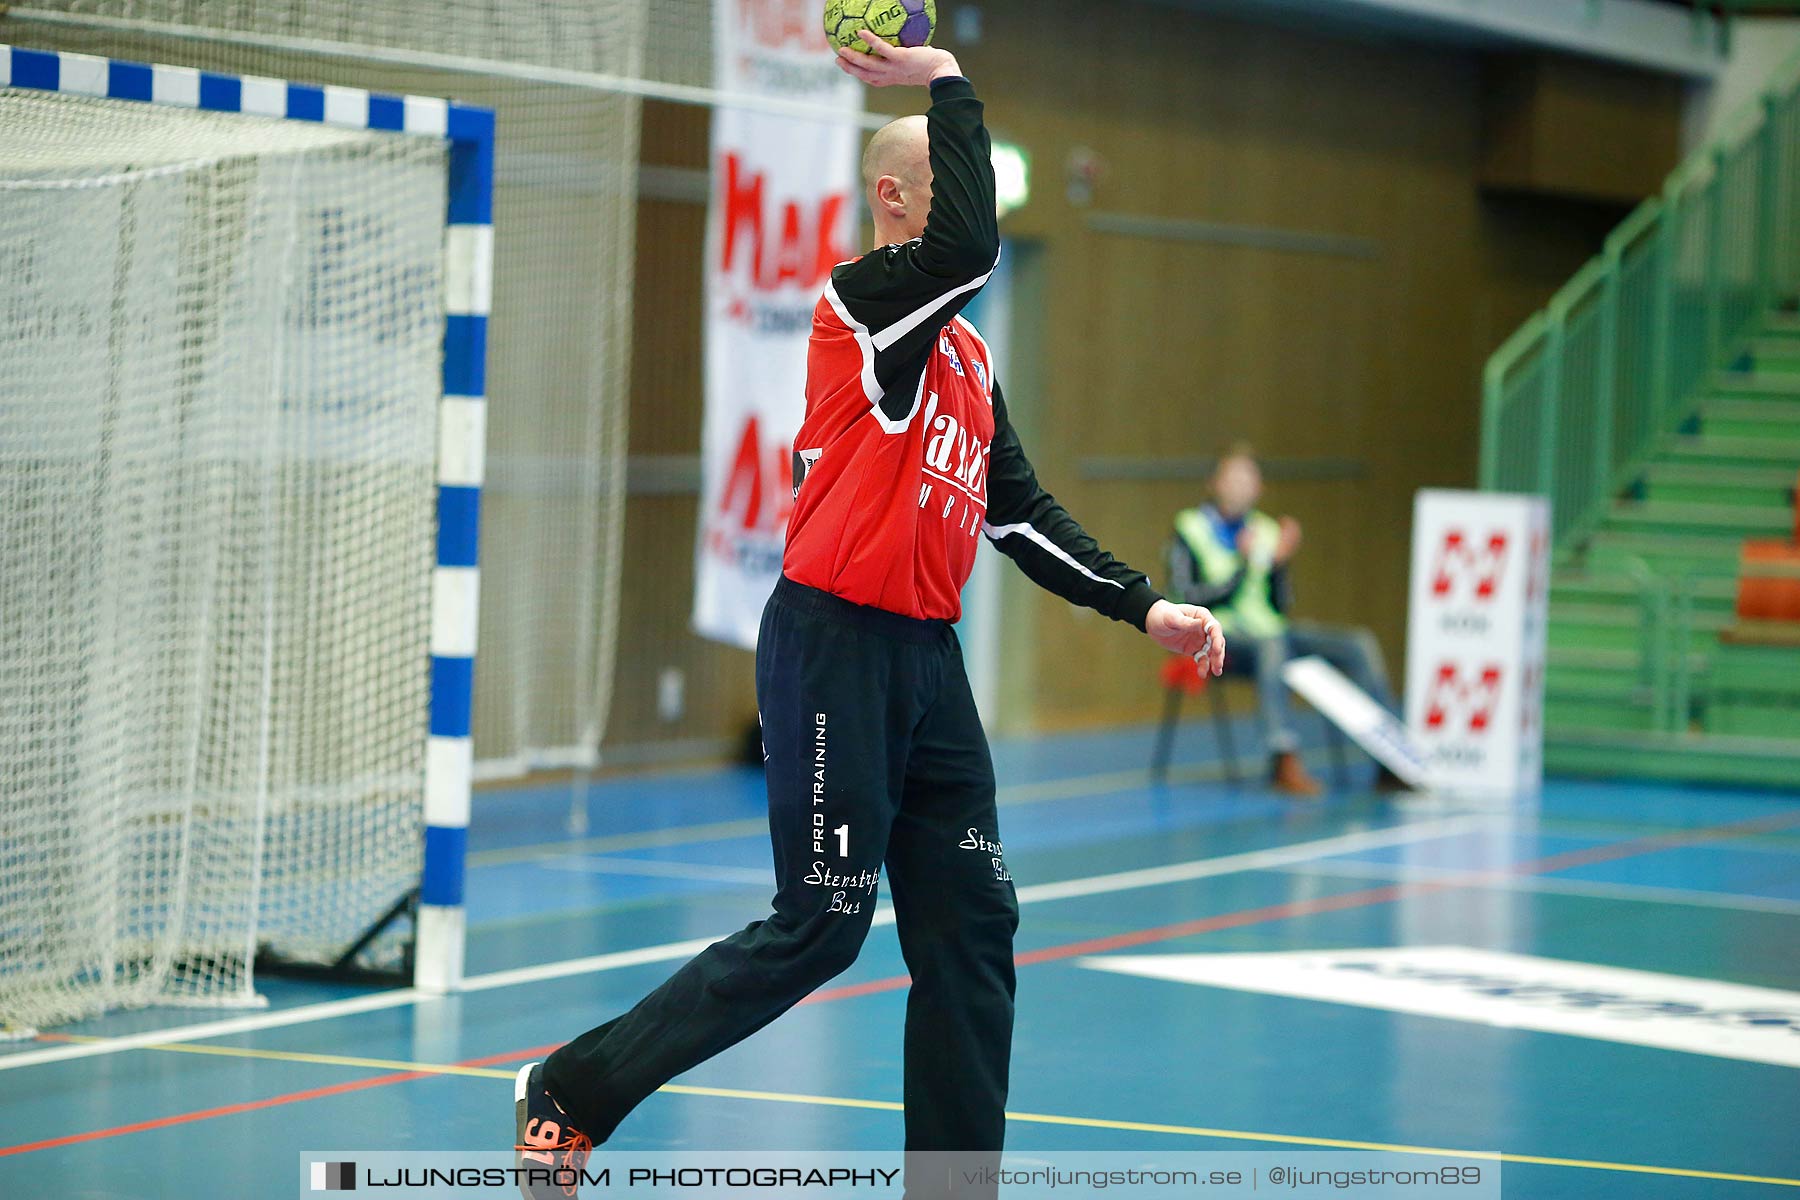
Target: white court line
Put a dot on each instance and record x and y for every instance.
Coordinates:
(1009, 795)
(1562, 885)
(593, 964)
(211, 1029)
(1254, 860)
(1204, 868)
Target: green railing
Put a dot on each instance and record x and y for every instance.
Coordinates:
(1745, 8)
(1665, 645)
(1587, 388)
(1726, 13)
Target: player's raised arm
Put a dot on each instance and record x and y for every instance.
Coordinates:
(961, 238)
(1028, 525)
(929, 182)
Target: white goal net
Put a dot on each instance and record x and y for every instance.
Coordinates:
(220, 348)
(559, 343)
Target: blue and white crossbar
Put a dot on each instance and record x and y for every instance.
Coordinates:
(462, 414)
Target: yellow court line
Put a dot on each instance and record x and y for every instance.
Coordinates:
(688, 1089)
(1241, 1135)
(328, 1060)
(1400, 1148)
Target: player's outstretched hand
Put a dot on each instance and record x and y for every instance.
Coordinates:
(888, 66)
(1188, 629)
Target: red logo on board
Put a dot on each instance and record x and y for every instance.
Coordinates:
(1455, 700)
(1480, 564)
(783, 24)
(759, 491)
(785, 243)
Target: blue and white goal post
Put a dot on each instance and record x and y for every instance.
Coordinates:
(462, 420)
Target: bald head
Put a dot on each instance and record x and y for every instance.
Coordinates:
(896, 174)
(900, 148)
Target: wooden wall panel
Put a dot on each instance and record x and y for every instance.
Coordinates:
(1367, 356)
(1172, 349)
(1568, 126)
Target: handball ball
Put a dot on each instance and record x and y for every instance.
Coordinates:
(898, 22)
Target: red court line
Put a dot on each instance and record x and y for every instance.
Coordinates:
(228, 1110)
(1645, 845)
(1235, 920)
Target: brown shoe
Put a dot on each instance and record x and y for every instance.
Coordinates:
(1388, 783)
(1288, 776)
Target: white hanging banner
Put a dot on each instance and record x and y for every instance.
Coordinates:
(783, 214)
(1475, 639)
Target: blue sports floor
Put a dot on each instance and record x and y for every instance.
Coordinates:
(1682, 883)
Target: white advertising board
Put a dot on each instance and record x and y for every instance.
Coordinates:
(1475, 639)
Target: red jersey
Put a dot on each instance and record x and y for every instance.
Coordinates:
(906, 456)
(890, 511)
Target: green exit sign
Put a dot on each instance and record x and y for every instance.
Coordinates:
(1012, 175)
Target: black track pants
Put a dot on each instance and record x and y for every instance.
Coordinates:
(875, 755)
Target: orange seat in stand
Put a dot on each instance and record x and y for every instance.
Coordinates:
(1183, 672)
(1769, 577)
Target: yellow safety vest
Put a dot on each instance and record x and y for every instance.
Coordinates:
(1248, 613)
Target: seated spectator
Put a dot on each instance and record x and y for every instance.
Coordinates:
(1233, 559)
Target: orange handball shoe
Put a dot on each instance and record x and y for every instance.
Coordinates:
(547, 1149)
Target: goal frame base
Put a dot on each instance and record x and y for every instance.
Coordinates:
(345, 968)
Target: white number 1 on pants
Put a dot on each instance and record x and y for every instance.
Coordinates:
(843, 836)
